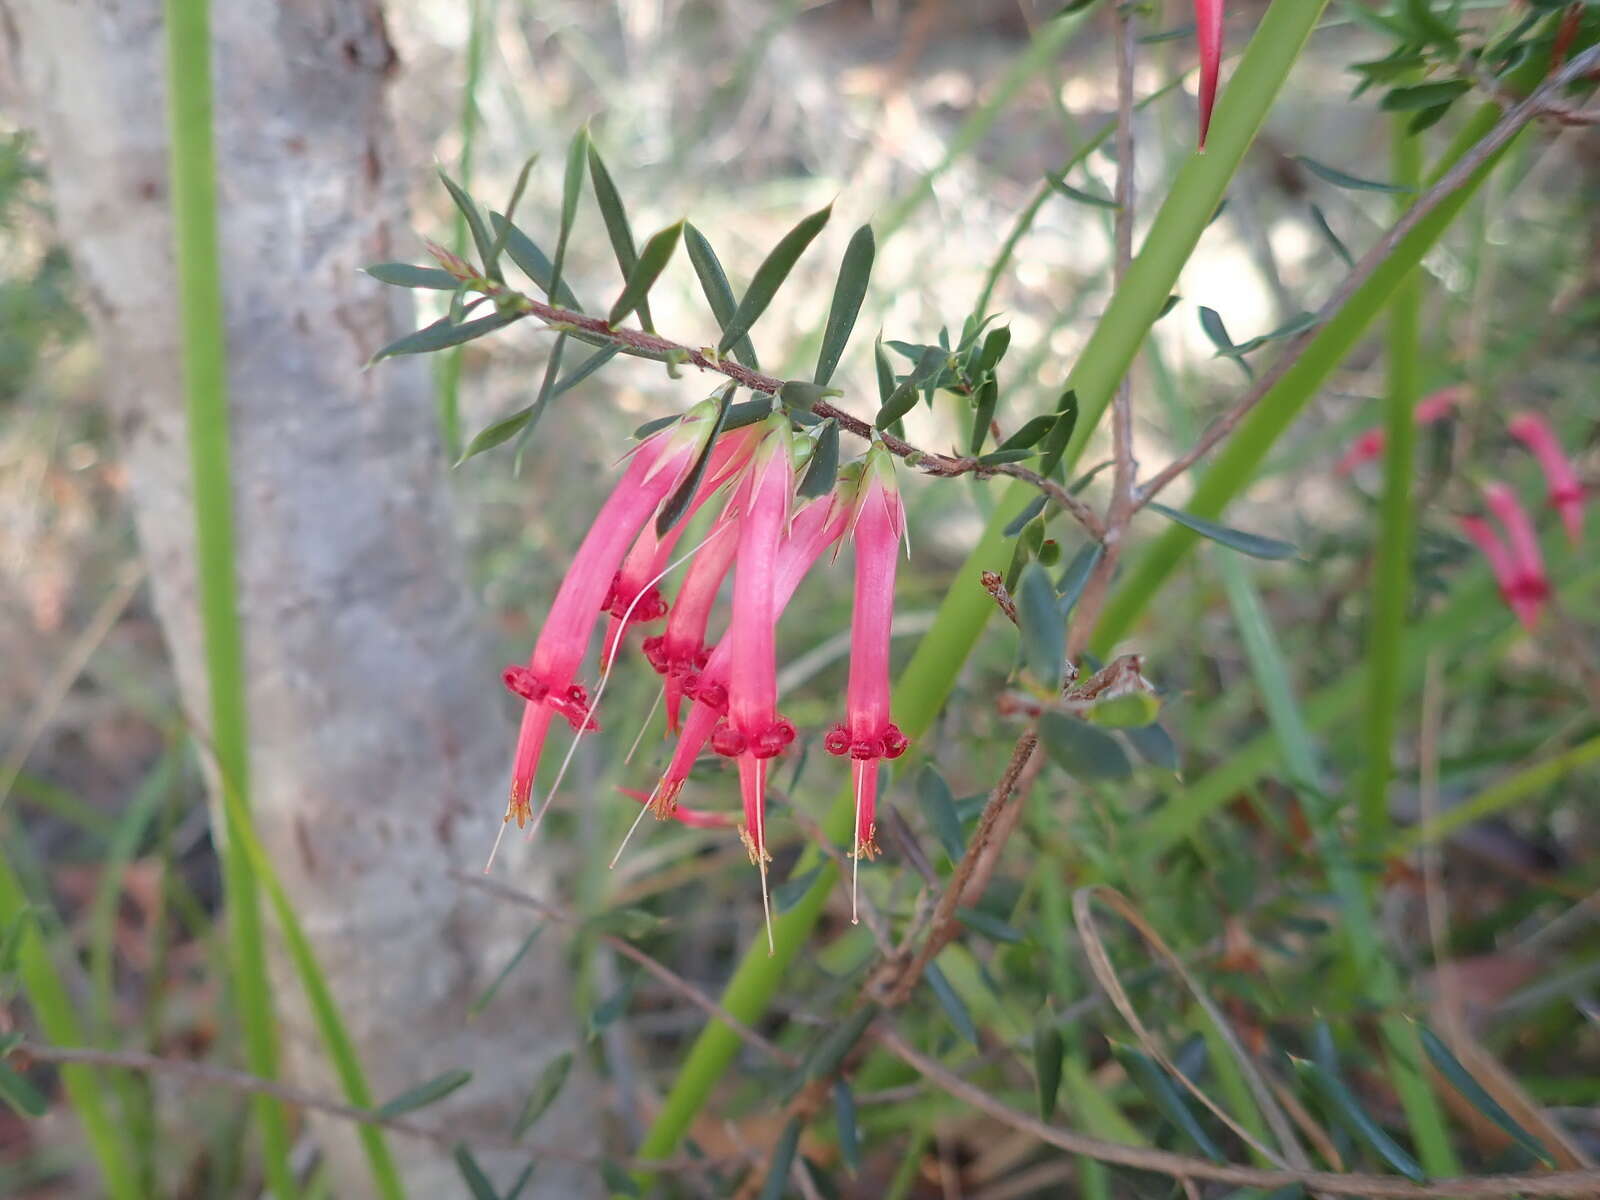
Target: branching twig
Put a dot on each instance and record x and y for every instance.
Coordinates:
(1178, 1166)
(595, 330)
(1451, 181)
(628, 950)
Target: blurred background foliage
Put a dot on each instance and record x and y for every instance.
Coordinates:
(938, 122)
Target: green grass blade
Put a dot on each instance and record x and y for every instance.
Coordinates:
(205, 384)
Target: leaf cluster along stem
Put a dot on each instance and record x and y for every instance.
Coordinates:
(654, 346)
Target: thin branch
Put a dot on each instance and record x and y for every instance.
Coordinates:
(1451, 181)
(628, 950)
(1178, 1166)
(649, 345)
(209, 1074)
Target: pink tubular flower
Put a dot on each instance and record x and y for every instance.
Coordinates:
(547, 682)
(680, 651)
(1369, 444)
(634, 596)
(814, 528)
(867, 734)
(1566, 489)
(1517, 563)
(1208, 26)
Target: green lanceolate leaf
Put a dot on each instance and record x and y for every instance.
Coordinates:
(770, 275)
(1032, 433)
(1159, 1089)
(1424, 95)
(1055, 444)
(783, 1152)
(475, 226)
(844, 1117)
(1043, 632)
(20, 1094)
(488, 993)
(940, 806)
(954, 1007)
(718, 292)
(1448, 1065)
(533, 263)
(1252, 544)
(1000, 457)
(983, 408)
(473, 1175)
(615, 216)
(823, 1061)
(1048, 1049)
(823, 470)
(1083, 751)
(994, 349)
(1211, 322)
(1295, 324)
(1320, 220)
(407, 276)
(1034, 508)
(571, 192)
(425, 1094)
(492, 263)
(442, 334)
(1081, 197)
(848, 293)
(1155, 745)
(801, 397)
(545, 1090)
(1344, 1108)
(677, 504)
(1344, 180)
(653, 259)
(1076, 576)
(990, 925)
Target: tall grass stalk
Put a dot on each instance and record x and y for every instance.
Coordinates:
(205, 382)
(52, 1008)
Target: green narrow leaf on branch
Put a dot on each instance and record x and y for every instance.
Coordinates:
(1061, 432)
(1081, 750)
(954, 1006)
(488, 993)
(1158, 1088)
(677, 504)
(1448, 1065)
(1075, 577)
(1424, 95)
(844, 1117)
(615, 216)
(545, 1090)
(1031, 433)
(493, 260)
(1081, 197)
(472, 1174)
(1320, 220)
(533, 263)
(848, 293)
(770, 275)
(476, 227)
(782, 1160)
(1048, 1051)
(1043, 632)
(442, 333)
(1155, 745)
(405, 275)
(571, 192)
(1253, 544)
(1342, 1105)
(1344, 180)
(823, 470)
(653, 259)
(983, 409)
(940, 806)
(1211, 322)
(718, 291)
(424, 1094)
(21, 1095)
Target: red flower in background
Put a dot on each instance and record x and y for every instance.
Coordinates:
(1565, 488)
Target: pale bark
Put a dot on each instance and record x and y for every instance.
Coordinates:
(379, 740)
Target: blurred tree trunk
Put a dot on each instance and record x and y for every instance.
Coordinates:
(379, 741)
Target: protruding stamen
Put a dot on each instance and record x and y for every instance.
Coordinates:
(495, 849)
(761, 851)
(643, 808)
(649, 716)
(855, 836)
